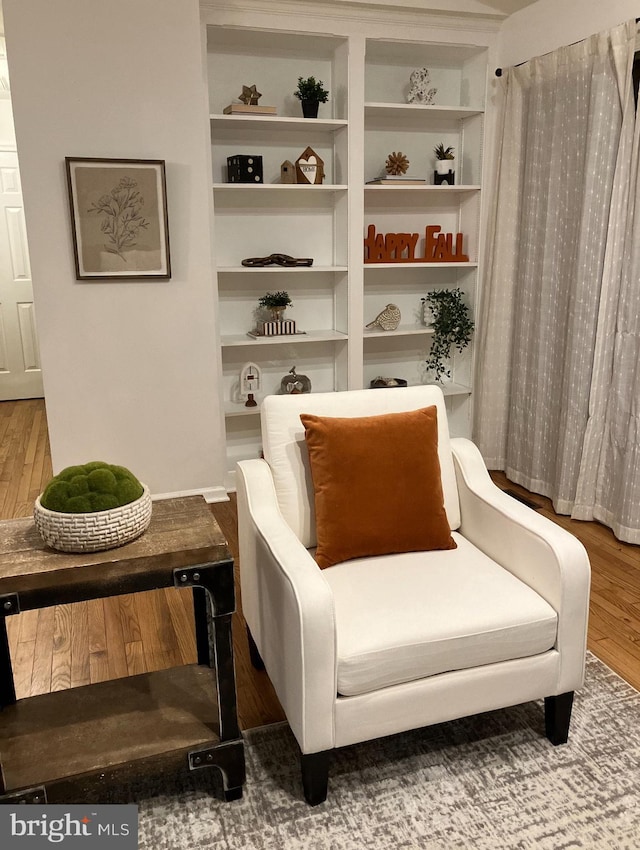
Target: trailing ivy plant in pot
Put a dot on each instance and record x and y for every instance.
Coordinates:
(276, 302)
(452, 328)
(311, 93)
(445, 158)
(92, 507)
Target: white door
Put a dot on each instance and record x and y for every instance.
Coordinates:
(20, 373)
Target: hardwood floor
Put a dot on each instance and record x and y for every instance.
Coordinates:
(69, 645)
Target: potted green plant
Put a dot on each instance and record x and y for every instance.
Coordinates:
(452, 327)
(276, 302)
(445, 158)
(92, 507)
(311, 93)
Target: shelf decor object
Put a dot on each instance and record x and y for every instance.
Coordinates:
(446, 178)
(381, 382)
(248, 109)
(397, 180)
(452, 328)
(250, 95)
(311, 93)
(391, 247)
(244, 168)
(420, 88)
(294, 384)
(279, 327)
(249, 104)
(277, 260)
(250, 381)
(445, 162)
(276, 302)
(309, 167)
(388, 319)
(396, 164)
(287, 172)
(91, 508)
(119, 218)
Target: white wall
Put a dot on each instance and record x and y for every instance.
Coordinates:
(549, 24)
(130, 368)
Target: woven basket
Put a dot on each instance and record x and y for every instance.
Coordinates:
(95, 531)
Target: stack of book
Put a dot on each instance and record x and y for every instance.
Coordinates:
(397, 180)
(248, 109)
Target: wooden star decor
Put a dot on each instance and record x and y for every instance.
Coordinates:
(250, 95)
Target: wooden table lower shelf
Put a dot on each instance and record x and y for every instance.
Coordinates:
(59, 746)
(64, 738)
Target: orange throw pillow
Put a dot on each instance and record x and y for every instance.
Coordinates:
(377, 485)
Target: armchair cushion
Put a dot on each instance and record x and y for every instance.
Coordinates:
(377, 485)
(405, 617)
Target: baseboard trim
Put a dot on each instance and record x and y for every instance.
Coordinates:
(210, 494)
(230, 481)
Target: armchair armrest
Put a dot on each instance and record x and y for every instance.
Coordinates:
(288, 606)
(540, 553)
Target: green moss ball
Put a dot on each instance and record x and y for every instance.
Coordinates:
(95, 486)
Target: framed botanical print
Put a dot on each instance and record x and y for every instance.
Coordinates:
(119, 218)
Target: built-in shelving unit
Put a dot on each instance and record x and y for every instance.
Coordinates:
(390, 124)
(366, 118)
(303, 221)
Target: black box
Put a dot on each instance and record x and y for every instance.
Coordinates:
(244, 168)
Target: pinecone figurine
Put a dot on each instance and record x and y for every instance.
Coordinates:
(388, 319)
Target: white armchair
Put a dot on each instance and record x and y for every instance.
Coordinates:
(380, 645)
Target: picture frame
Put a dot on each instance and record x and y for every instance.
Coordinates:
(119, 219)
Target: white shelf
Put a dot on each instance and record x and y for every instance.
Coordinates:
(231, 409)
(453, 389)
(234, 340)
(273, 188)
(425, 266)
(238, 409)
(416, 114)
(280, 269)
(402, 330)
(257, 123)
(427, 187)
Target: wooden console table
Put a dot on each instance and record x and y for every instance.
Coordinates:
(57, 747)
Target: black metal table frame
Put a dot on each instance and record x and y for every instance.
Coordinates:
(214, 603)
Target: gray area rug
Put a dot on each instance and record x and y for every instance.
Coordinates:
(486, 782)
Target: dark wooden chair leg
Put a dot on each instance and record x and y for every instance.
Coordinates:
(315, 776)
(557, 716)
(254, 655)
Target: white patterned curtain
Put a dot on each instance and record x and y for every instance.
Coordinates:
(558, 232)
(609, 482)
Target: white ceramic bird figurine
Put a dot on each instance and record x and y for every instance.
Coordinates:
(388, 319)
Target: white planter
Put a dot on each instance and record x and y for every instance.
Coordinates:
(94, 531)
(444, 166)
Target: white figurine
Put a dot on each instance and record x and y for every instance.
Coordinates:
(420, 89)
